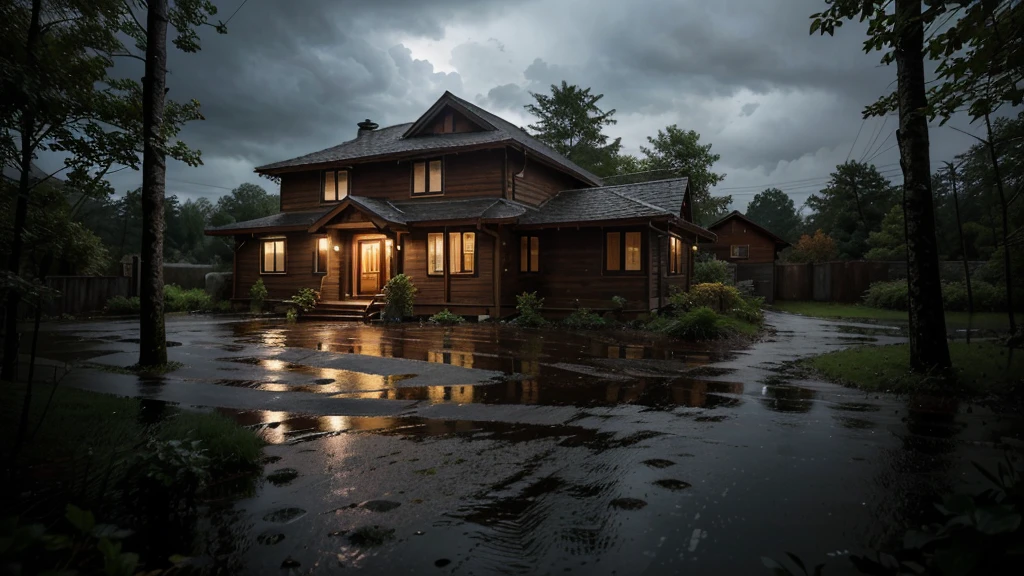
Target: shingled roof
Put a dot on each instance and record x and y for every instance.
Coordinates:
(398, 140)
(739, 216)
(418, 211)
(280, 222)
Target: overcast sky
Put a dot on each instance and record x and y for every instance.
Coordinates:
(781, 107)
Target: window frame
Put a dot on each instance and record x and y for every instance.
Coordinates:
(621, 271)
(263, 253)
(526, 264)
(326, 253)
(733, 252)
(446, 256)
(676, 268)
(323, 182)
(426, 176)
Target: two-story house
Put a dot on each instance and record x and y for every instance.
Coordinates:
(475, 211)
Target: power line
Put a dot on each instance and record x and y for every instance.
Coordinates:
(199, 184)
(862, 122)
(235, 12)
(874, 139)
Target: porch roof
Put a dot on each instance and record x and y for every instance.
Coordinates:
(280, 222)
(413, 212)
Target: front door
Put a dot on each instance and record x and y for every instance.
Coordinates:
(369, 267)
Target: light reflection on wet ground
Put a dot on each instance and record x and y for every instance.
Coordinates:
(595, 454)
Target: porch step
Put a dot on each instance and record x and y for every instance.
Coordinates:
(333, 316)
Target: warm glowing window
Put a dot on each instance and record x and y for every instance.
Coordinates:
(435, 253)
(529, 254)
(675, 255)
(462, 252)
(623, 251)
(322, 249)
(335, 185)
(426, 177)
(739, 251)
(273, 256)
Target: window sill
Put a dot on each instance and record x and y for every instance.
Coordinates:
(425, 194)
(319, 273)
(273, 273)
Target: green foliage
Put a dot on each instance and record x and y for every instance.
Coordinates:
(700, 323)
(813, 249)
(246, 202)
(446, 318)
(119, 305)
(619, 303)
(399, 295)
(749, 309)
(291, 315)
(257, 296)
(571, 122)
(584, 319)
(177, 299)
(852, 204)
(710, 271)
(892, 295)
(889, 243)
(167, 472)
(774, 210)
(306, 299)
(680, 150)
(715, 296)
(529, 306)
(228, 447)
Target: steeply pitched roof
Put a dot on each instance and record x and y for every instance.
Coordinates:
(281, 222)
(392, 141)
(657, 199)
(738, 215)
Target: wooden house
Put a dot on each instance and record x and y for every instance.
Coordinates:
(743, 241)
(475, 211)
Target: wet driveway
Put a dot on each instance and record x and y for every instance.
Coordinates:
(482, 449)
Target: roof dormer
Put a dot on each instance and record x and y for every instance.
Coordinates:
(447, 116)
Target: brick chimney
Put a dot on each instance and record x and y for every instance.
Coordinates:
(365, 127)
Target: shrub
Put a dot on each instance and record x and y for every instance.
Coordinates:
(749, 309)
(584, 319)
(228, 446)
(817, 248)
(680, 300)
(893, 296)
(710, 272)
(889, 295)
(619, 303)
(529, 306)
(701, 323)
(715, 296)
(447, 318)
(257, 295)
(306, 299)
(122, 305)
(399, 294)
(177, 299)
(291, 314)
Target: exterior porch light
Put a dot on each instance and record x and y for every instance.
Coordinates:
(337, 248)
(694, 248)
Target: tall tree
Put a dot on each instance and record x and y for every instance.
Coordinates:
(570, 121)
(902, 30)
(774, 210)
(681, 151)
(246, 202)
(852, 205)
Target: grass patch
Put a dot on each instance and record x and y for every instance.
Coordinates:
(226, 443)
(980, 367)
(954, 320)
(735, 325)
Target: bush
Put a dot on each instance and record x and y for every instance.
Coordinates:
(893, 296)
(399, 294)
(749, 309)
(716, 296)
(529, 306)
(447, 318)
(619, 303)
(257, 295)
(584, 319)
(122, 305)
(710, 272)
(306, 299)
(177, 299)
(291, 314)
(229, 446)
(701, 323)
(889, 295)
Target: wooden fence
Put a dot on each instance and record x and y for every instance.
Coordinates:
(847, 281)
(80, 294)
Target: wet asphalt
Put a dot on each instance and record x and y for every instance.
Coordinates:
(484, 449)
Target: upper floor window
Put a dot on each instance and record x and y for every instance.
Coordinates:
(461, 253)
(427, 177)
(623, 252)
(529, 254)
(273, 259)
(335, 187)
(675, 255)
(739, 251)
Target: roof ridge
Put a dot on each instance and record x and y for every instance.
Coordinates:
(638, 201)
(645, 182)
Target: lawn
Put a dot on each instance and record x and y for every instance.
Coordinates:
(954, 320)
(980, 367)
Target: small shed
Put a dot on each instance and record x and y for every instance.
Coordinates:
(743, 241)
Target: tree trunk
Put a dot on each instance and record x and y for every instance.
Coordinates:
(1007, 269)
(928, 348)
(152, 337)
(9, 368)
(963, 249)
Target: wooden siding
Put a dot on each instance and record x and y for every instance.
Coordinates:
(538, 182)
(468, 294)
(461, 123)
(299, 251)
(734, 231)
(300, 191)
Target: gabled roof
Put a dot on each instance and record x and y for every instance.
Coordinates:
(737, 215)
(413, 212)
(661, 199)
(397, 141)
